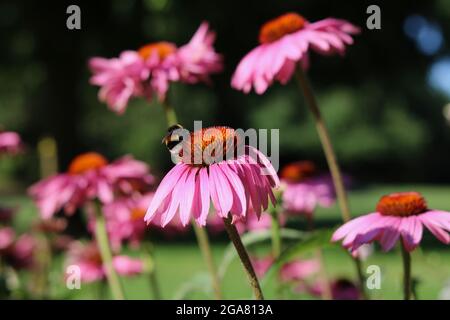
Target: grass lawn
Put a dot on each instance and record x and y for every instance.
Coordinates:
(178, 262)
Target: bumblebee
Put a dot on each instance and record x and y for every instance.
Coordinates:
(173, 140)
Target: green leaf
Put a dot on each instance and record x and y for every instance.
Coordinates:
(253, 238)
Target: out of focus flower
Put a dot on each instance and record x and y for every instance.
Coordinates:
(150, 69)
(7, 236)
(10, 142)
(286, 41)
(343, 289)
(305, 189)
(19, 254)
(262, 265)
(299, 270)
(87, 257)
(119, 78)
(233, 185)
(252, 223)
(398, 216)
(89, 176)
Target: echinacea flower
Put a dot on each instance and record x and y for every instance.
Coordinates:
(17, 252)
(150, 69)
(90, 176)
(398, 216)
(286, 41)
(120, 79)
(254, 224)
(341, 289)
(231, 180)
(7, 236)
(305, 189)
(87, 257)
(10, 142)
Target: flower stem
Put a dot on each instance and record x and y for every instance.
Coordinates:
(276, 236)
(149, 258)
(200, 233)
(101, 237)
(406, 273)
(323, 275)
(330, 156)
(245, 259)
(203, 243)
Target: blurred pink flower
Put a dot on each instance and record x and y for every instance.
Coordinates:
(151, 68)
(87, 257)
(262, 265)
(285, 41)
(398, 215)
(253, 223)
(233, 185)
(21, 254)
(119, 78)
(341, 289)
(89, 177)
(197, 59)
(304, 189)
(299, 270)
(7, 236)
(10, 142)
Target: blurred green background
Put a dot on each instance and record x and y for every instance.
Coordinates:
(387, 105)
(383, 102)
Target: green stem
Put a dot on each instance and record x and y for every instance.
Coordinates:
(245, 259)
(203, 243)
(323, 274)
(330, 156)
(101, 237)
(406, 257)
(151, 267)
(276, 235)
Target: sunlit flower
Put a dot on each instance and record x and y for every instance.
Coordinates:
(398, 215)
(89, 176)
(87, 257)
(150, 69)
(305, 189)
(10, 142)
(286, 41)
(245, 179)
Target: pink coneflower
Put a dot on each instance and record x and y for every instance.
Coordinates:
(232, 185)
(90, 176)
(341, 289)
(233, 176)
(87, 257)
(150, 69)
(10, 142)
(398, 216)
(120, 79)
(17, 252)
(284, 42)
(305, 189)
